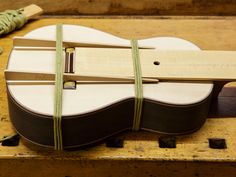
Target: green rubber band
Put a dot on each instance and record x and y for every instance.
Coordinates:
(138, 86)
(57, 117)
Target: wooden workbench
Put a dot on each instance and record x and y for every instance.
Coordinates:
(128, 7)
(141, 155)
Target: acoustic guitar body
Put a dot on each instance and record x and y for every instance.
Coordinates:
(93, 112)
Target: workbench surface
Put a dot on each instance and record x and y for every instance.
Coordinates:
(141, 154)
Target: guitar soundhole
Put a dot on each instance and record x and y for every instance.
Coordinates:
(156, 63)
(217, 143)
(167, 142)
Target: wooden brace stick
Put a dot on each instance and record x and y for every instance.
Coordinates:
(27, 42)
(34, 76)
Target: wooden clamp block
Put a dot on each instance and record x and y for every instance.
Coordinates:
(32, 11)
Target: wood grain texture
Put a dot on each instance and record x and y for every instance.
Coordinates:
(141, 155)
(32, 11)
(130, 7)
(174, 65)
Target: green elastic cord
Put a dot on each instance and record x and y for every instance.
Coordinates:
(11, 20)
(138, 85)
(57, 117)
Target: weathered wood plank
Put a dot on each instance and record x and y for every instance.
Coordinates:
(130, 7)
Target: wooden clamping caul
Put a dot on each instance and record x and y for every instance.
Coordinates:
(116, 61)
